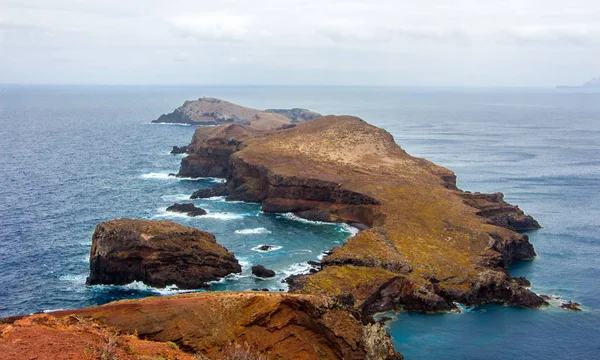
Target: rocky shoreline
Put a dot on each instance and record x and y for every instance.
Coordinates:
(423, 245)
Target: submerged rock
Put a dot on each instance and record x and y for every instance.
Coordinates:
(179, 150)
(571, 305)
(189, 209)
(217, 190)
(263, 272)
(157, 253)
(265, 247)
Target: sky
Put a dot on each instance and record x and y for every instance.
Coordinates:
(300, 42)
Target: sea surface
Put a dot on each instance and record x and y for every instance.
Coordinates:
(71, 157)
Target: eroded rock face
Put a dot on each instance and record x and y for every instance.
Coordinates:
(274, 325)
(424, 244)
(157, 253)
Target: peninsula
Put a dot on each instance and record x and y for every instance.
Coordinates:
(425, 245)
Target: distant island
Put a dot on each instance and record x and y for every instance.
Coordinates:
(211, 111)
(592, 84)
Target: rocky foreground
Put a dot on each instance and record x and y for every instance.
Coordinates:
(219, 325)
(426, 244)
(211, 111)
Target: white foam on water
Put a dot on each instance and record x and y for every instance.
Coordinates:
(252, 231)
(158, 176)
(49, 311)
(140, 286)
(163, 213)
(222, 216)
(215, 198)
(349, 229)
(273, 248)
(291, 216)
(170, 124)
(321, 256)
(176, 197)
(297, 269)
(217, 180)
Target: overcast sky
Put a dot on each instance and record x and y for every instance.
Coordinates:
(307, 42)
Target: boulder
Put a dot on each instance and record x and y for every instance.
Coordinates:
(157, 253)
(189, 209)
(262, 271)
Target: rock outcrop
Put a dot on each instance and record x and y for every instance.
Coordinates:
(157, 253)
(189, 209)
(273, 325)
(425, 244)
(262, 271)
(211, 111)
(179, 150)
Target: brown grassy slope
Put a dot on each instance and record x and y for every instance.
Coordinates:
(45, 337)
(424, 218)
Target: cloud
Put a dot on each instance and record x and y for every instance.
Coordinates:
(551, 36)
(212, 26)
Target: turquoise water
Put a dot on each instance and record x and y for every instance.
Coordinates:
(75, 156)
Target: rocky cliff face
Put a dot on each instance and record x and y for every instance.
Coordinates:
(276, 326)
(429, 243)
(157, 253)
(211, 111)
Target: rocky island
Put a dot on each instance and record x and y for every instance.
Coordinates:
(157, 253)
(211, 111)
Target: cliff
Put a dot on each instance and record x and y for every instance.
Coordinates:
(157, 253)
(428, 244)
(211, 111)
(272, 325)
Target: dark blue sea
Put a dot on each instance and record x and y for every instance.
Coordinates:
(71, 157)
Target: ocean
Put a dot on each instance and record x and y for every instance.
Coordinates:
(73, 156)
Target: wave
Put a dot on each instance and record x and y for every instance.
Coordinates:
(170, 124)
(141, 287)
(343, 226)
(169, 176)
(297, 269)
(273, 248)
(158, 176)
(253, 231)
(222, 216)
(349, 229)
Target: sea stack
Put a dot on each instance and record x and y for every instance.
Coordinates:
(157, 253)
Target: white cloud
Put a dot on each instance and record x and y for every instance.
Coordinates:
(212, 26)
(378, 42)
